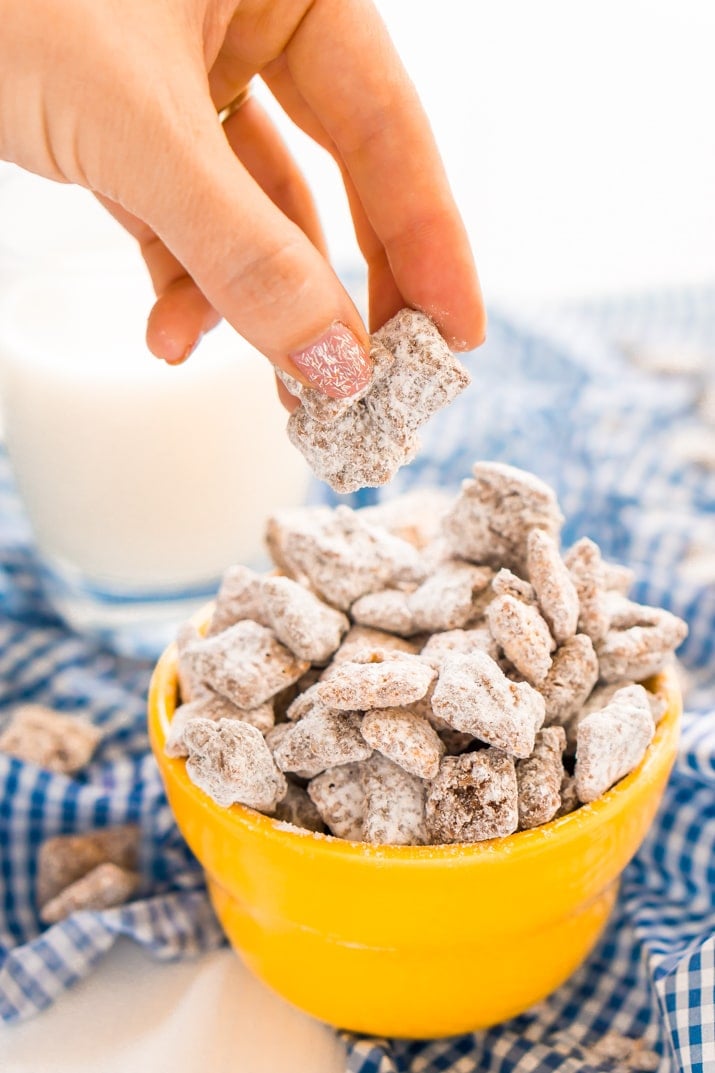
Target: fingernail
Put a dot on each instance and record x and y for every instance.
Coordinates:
(335, 364)
(187, 353)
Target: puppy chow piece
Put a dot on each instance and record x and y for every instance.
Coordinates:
(447, 599)
(552, 583)
(522, 634)
(240, 596)
(245, 663)
(297, 808)
(282, 701)
(461, 642)
(474, 696)
(104, 887)
(588, 573)
(231, 762)
(572, 676)
(344, 558)
(415, 516)
(191, 687)
(308, 627)
(361, 638)
(404, 738)
(539, 778)
(640, 650)
(474, 797)
(60, 743)
(493, 514)
(394, 804)
(603, 694)
(339, 798)
(612, 742)
(388, 610)
(66, 858)
(214, 707)
(618, 578)
(507, 583)
(324, 738)
(385, 683)
(569, 797)
(282, 524)
(325, 410)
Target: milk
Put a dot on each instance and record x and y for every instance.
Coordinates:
(142, 482)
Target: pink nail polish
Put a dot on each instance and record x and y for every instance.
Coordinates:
(335, 364)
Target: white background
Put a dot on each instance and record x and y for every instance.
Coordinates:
(579, 141)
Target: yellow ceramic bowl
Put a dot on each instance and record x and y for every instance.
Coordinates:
(414, 941)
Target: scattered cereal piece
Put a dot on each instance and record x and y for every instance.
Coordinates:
(640, 650)
(56, 742)
(612, 742)
(104, 887)
(322, 739)
(245, 663)
(339, 798)
(474, 696)
(359, 638)
(297, 808)
(572, 676)
(231, 763)
(463, 642)
(214, 707)
(404, 738)
(309, 628)
(555, 591)
(66, 858)
(588, 573)
(539, 778)
(474, 797)
(522, 633)
(387, 610)
(394, 804)
(447, 599)
(506, 583)
(240, 596)
(386, 683)
(630, 1054)
(490, 521)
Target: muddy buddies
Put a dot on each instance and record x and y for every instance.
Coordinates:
(428, 672)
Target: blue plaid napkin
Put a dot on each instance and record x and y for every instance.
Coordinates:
(555, 395)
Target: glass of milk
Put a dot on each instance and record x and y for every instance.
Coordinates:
(142, 482)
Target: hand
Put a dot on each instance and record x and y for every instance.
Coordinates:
(121, 97)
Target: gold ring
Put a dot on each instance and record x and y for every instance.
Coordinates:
(232, 107)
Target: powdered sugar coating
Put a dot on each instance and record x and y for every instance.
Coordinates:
(493, 514)
(324, 738)
(415, 516)
(64, 859)
(245, 663)
(240, 596)
(520, 630)
(588, 573)
(473, 798)
(603, 694)
(308, 627)
(447, 599)
(388, 610)
(572, 676)
(618, 578)
(405, 738)
(340, 800)
(366, 443)
(552, 583)
(387, 683)
(441, 645)
(56, 742)
(611, 742)
(474, 696)
(539, 778)
(214, 707)
(507, 583)
(394, 804)
(231, 762)
(105, 886)
(361, 638)
(640, 650)
(297, 808)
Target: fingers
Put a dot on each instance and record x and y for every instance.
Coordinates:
(345, 69)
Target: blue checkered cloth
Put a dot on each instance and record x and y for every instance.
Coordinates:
(555, 395)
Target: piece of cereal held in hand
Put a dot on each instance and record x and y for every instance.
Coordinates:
(339, 798)
(245, 663)
(240, 596)
(394, 804)
(232, 764)
(493, 514)
(572, 676)
(588, 573)
(326, 410)
(521, 632)
(473, 695)
(308, 627)
(214, 707)
(552, 583)
(474, 797)
(611, 742)
(104, 887)
(297, 808)
(539, 778)
(405, 738)
(378, 683)
(56, 742)
(641, 648)
(324, 738)
(448, 600)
